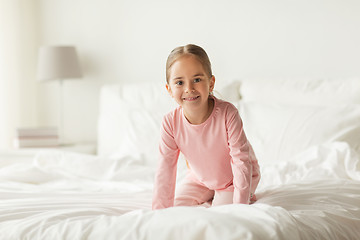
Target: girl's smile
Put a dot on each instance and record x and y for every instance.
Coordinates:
(191, 98)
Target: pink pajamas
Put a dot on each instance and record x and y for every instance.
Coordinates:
(192, 192)
(219, 156)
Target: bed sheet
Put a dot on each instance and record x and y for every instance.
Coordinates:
(60, 195)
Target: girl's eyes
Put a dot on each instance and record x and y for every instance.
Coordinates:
(179, 83)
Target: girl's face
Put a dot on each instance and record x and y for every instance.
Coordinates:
(189, 84)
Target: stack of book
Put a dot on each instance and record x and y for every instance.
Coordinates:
(36, 137)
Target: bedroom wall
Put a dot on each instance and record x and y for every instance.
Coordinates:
(127, 41)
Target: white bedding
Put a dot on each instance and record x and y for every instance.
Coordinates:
(306, 135)
(59, 195)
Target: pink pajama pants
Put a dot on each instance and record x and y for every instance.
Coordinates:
(192, 192)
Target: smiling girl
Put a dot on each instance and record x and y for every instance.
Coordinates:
(222, 167)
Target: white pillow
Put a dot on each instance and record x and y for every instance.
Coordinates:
(278, 132)
(301, 91)
(130, 119)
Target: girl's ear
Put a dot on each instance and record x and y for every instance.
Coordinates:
(169, 89)
(212, 83)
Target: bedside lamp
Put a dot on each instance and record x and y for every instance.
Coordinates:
(58, 63)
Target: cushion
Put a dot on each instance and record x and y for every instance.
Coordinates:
(278, 131)
(130, 119)
(301, 91)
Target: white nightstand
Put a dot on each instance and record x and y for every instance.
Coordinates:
(85, 148)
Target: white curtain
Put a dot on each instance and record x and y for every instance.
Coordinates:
(18, 49)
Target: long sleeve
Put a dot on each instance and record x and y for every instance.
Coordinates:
(165, 178)
(241, 154)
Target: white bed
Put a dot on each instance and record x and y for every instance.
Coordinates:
(305, 132)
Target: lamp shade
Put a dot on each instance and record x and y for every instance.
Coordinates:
(58, 62)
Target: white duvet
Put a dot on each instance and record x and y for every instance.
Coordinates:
(60, 195)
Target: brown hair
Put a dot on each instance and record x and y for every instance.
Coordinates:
(189, 49)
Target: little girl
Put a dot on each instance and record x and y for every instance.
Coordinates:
(222, 167)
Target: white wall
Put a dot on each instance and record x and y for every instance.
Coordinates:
(122, 41)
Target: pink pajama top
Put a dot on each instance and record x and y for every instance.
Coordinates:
(217, 150)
